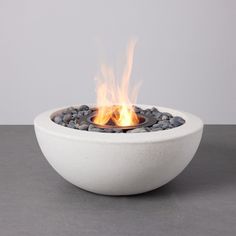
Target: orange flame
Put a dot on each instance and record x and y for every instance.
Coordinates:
(113, 101)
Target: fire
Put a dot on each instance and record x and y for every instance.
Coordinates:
(113, 100)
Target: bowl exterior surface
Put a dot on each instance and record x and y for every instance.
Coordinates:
(117, 164)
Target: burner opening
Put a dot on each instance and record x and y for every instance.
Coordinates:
(144, 121)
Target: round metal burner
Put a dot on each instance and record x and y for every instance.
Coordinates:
(144, 121)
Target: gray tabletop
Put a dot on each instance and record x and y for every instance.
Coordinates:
(35, 200)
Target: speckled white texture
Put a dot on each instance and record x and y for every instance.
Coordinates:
(118, 164)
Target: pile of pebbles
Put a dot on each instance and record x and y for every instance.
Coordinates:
(71, 117)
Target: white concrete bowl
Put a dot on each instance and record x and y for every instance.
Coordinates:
(118, 163)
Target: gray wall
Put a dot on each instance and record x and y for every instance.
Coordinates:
(50, 51)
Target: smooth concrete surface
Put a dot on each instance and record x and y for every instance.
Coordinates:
(35, 200)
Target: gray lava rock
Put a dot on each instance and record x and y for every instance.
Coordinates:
(177, 121)
(83, 108)
(91, 127)
(95, 129)
(74, 116)
(167, 114)
(137, 130)
(83, 127)
(74, 111)
(80, 114)
(57, 119)
(71, 125)
(77, 126)
(87, 112)
(157, 115)
(148, 112)
(67, 117)
(148, 129)
(72, 122)
(84, 123)
(164, 124)
(154, 109)
(164, 117)
(156, 126)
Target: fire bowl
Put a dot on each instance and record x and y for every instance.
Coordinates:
(118, 163)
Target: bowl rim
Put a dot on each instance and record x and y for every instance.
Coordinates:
(192, 125)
